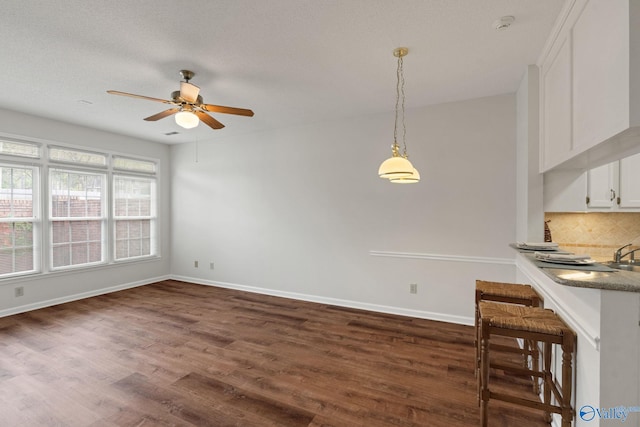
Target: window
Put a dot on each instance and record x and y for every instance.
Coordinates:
(63, 208)
(18, 227)
(68, 155)
(134, 215)
(134, 165)
(78, 220)
(19, 148)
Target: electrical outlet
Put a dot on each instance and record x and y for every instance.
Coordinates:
(211, 266)
(195, 264)
(19, 291)
(413, 288)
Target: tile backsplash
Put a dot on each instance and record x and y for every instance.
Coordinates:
(598, 234)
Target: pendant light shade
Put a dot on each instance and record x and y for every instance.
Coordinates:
(395, 166)
(410, 179)
(187, 119)
(398, 169)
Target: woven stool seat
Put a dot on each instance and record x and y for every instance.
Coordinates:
(521, 318)
(508, 290)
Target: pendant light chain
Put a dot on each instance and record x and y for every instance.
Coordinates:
(395, 124)
(401, 94)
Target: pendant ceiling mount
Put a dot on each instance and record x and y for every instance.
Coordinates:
(399, 52)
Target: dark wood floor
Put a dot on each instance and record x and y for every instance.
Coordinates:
(178, 354)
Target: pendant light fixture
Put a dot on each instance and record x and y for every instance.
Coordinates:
(397, 168)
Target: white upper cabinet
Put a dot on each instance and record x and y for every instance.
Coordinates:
(600, 72)
(590, 85)
(601, 186)
(608, 188)
(630, 182)
(556, 133)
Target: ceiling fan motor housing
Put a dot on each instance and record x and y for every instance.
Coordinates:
(175, 95)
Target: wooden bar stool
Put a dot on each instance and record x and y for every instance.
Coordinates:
(535, 324)
(509, 293)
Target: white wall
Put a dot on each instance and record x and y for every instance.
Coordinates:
(297, 211)
(47, 289)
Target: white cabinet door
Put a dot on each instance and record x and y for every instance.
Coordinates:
(601, 186)
(612, 187)
(600, 46)
(556, 126)
(589, 83)
(630, 182)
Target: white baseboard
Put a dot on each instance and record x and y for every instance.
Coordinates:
(421, 314)
(430, 315)
(79, 296)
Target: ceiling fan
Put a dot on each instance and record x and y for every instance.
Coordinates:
(188, 107)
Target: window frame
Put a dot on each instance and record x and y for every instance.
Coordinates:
(35, 219)
(51, 147)
(43, 238)
(103, 219)
(154, 246)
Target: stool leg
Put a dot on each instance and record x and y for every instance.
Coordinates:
(477, 340)
(547, 378)
(535, 364)
(535, 352)
(484, 374)
(567, 376)
(478, 360)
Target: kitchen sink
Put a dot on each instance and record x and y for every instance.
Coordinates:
(579, 275)
(624, 266)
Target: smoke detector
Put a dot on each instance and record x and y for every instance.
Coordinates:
(503, 23)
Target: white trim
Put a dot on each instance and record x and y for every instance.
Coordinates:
(557, 28)
(79, 296)
(572, 318)
(421, 314)
(443, 257)
(429, 315)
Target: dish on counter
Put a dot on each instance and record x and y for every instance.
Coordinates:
(546, 246)
(568, 261)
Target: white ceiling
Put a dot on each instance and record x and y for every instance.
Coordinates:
(290, 61)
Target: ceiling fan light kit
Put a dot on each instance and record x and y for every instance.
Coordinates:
(187, 119)
(398, 169)
(189, 109)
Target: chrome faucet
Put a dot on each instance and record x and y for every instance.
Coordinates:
(618, 255)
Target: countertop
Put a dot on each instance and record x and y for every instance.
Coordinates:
(598, 277)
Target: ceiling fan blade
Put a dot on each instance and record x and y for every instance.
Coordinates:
(162, 114)
(208, 120)
(226, 110)
(189, 92)
(116, 92)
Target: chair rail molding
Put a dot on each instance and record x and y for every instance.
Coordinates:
(444, 257)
